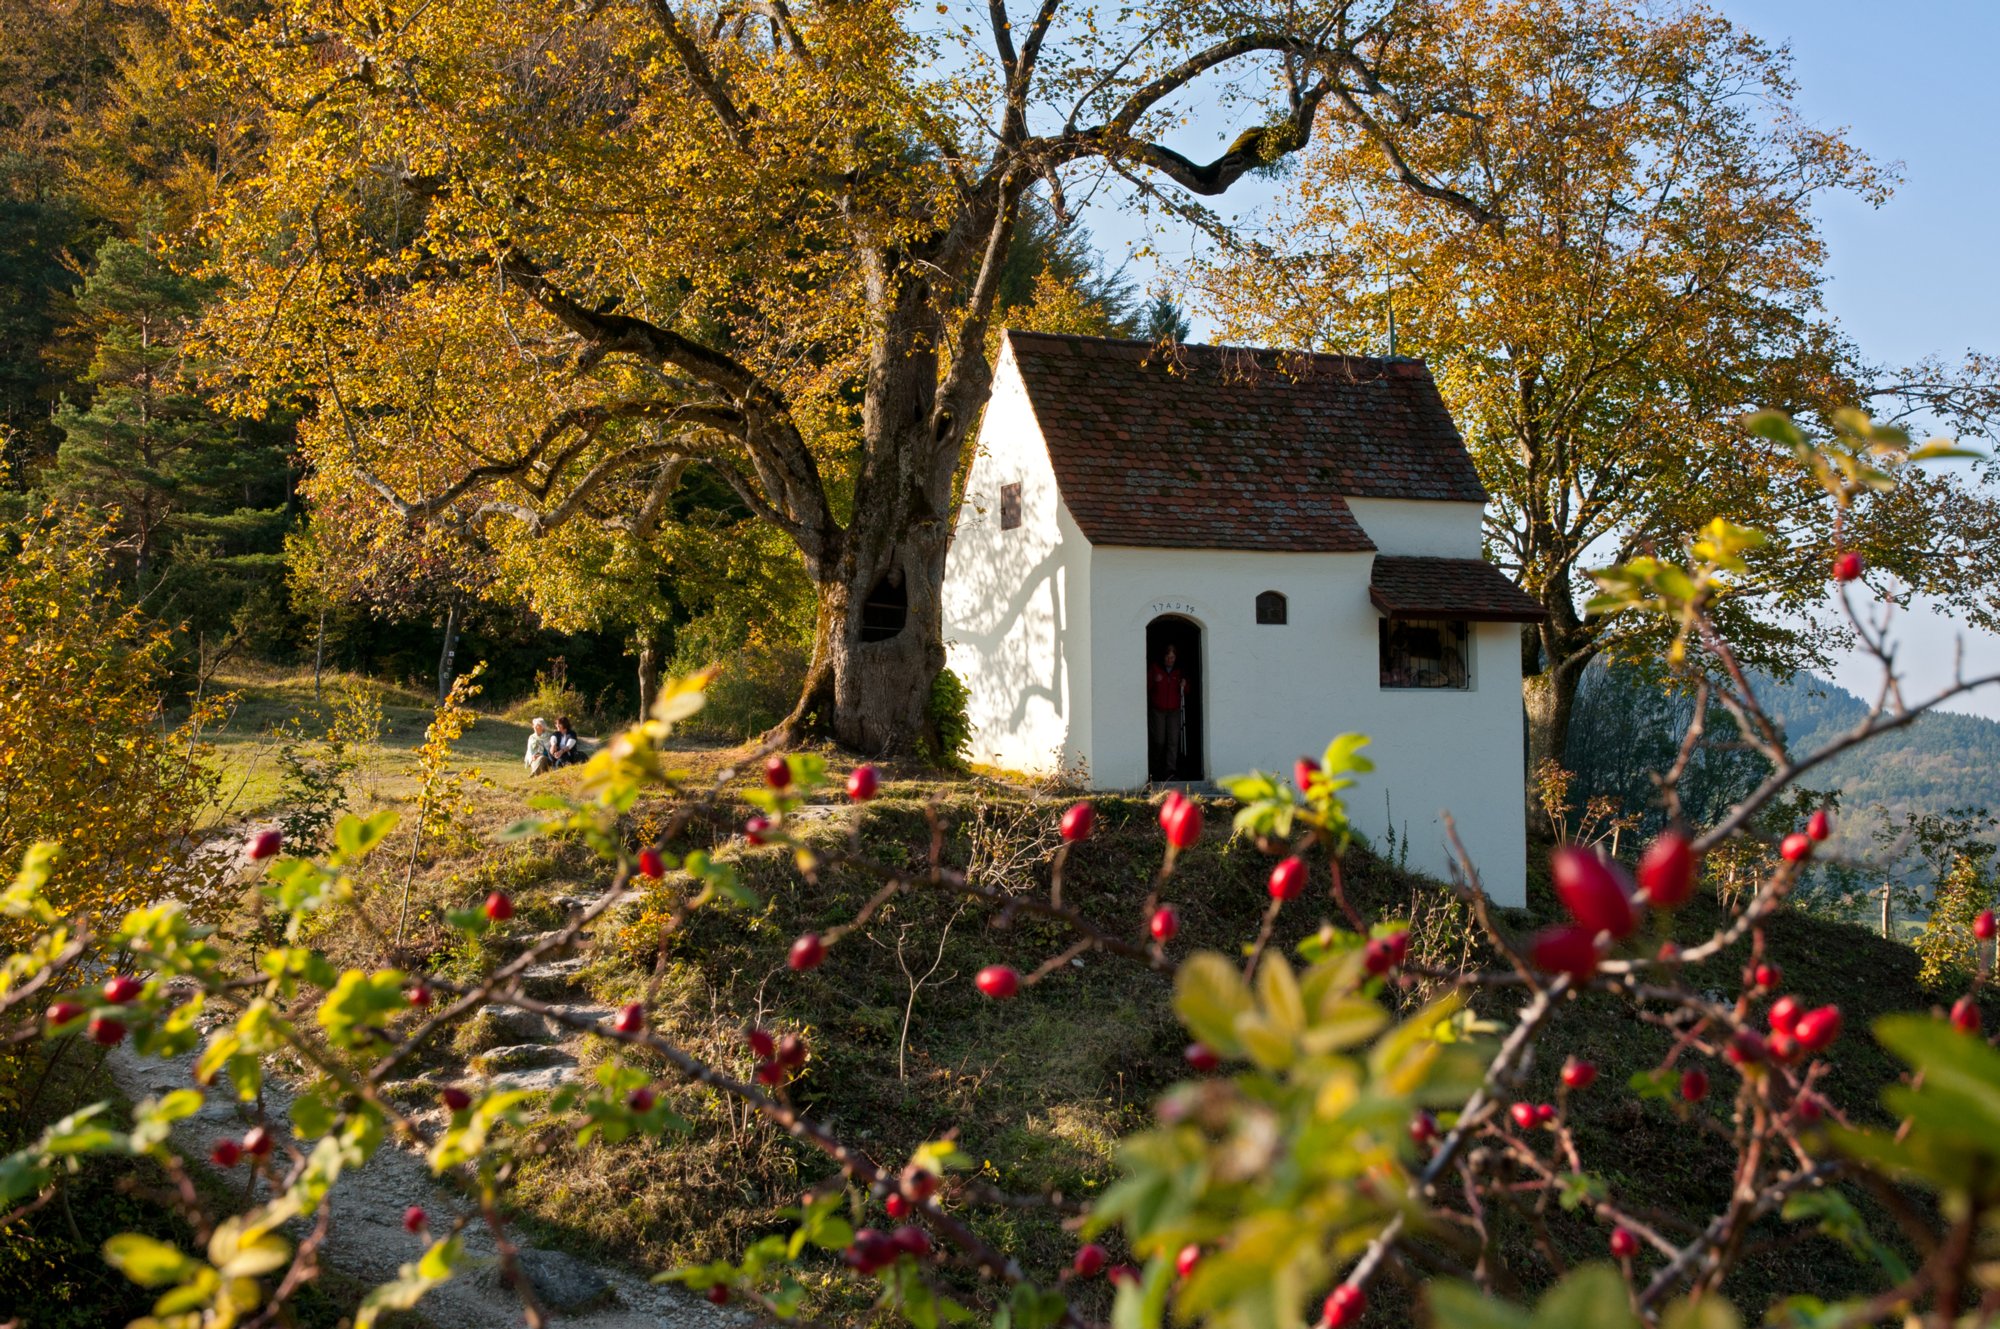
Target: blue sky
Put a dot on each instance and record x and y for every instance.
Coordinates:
(1913, 83)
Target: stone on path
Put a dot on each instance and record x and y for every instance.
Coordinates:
(563, 1283)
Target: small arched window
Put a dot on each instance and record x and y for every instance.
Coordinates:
(886, 609)
(1270, 607)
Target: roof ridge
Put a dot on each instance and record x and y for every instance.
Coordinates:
(1216, 348)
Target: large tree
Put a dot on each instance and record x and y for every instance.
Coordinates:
(527, 259)
(1625, 260)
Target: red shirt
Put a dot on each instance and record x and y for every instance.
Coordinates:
(1163, 688)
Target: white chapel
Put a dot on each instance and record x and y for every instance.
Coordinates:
(1301, 531)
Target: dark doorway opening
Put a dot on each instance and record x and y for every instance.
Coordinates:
(1185, 733)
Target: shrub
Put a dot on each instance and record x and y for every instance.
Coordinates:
(947, 727)
(756, 682)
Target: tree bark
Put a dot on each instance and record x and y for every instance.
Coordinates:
(449, 653)
(1549, 697)
(649, 675)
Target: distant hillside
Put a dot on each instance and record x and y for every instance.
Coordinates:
(1626, 728)
(1940, 760)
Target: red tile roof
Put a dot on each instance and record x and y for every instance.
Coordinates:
(1222, 447)
(1449, 588)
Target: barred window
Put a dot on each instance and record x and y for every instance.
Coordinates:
(1424, 653)
(1010, 506)
(1270, 607)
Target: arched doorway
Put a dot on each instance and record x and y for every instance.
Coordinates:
(1184, 731)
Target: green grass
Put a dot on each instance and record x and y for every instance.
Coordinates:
(246, 739)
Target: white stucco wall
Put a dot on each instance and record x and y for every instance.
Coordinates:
(1015, 602)
(1275, 693)
(1409, 526)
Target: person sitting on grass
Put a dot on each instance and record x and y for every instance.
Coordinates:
(540, 756)
(562, 743)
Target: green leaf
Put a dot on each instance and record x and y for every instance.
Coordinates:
(1209, 995)
(312, 1114)
(1592, 1297)
(355, 836)
(1463, 1306)
(411, 1283)
(147, 1262)
(1701, 1313)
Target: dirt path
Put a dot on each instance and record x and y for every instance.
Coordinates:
(367, 1240)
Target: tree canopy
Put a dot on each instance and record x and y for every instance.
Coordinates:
(525, 264)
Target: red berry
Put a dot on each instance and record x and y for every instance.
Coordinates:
(266, 842)
(414, 1219)
(1571, 950)
(1666, 871)
(1795, 848)
(1694, 1084)
(919, 1183)
(1747, 1048)
(1523, 1115)
(807, 952)
(419, 996)
(456, 1099)
(1423, 1128)
(771, 1073)
(1782, 1047)
(871, 1251)
(1818, 1028)
(1173, 799)
(1785, 1013)
(862, 782)
(753, 830)
(1544, 1113)
(1183, 824)
(631, 1019)
(1623, 1244)
(1983, 926)
(1164, 924)
(792, 1050)
(1201, 1057)
(1089, 1261)
(718, 1294)
(1288, 879)
(761, 1044)
(227, 1153)
(1344, 1306)
(777, 772)
(1808, 1109)
(1965, 1015)
(913, 1241)
(257, 1142)
(1578, 1074)
(1377, 957)
(640, 1099)
(1846, 565)
(1819, 825)
(1187, 1259)
(498, 907)
(898, 1206)
(998, 981)
(1595, 890)
(121, 989)
(106, 1031)
(64, 1012)
(651, 864)
(1303, 771)
(1122, 1273)
(1078, 821)
(1767, 976)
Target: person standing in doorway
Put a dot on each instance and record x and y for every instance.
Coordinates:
(1166, 693)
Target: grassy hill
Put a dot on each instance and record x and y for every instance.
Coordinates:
(1039, 1090)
